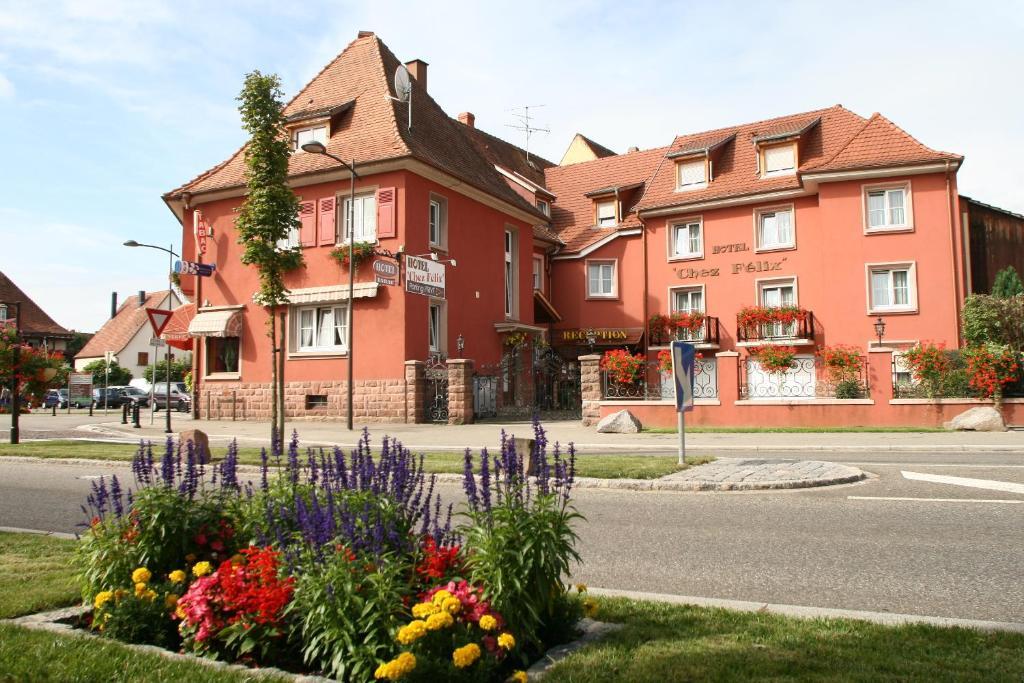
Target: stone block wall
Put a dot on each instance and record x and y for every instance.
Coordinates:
(590, 388)
(460, 391)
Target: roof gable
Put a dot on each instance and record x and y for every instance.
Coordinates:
(34, 320)
(880, 142)
(117, 332)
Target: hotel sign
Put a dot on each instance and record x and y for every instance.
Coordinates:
(602, 335)
(424, 276)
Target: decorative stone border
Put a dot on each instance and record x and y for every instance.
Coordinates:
(55, 621)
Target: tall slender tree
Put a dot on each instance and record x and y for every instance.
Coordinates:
(266, 218)
(1007, 283)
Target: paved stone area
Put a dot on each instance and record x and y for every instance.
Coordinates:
(738, 474)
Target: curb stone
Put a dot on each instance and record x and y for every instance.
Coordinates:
(592, 631)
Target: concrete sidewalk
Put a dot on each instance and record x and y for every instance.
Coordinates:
(587, 440)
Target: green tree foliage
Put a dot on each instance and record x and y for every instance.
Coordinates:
(994, 320)
(118, 376)
(178, 369)
(1007, 283)
(75, 344)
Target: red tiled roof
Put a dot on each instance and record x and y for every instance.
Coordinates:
(880, 142)
(505, 154)
(119, 330)
(734, 170)
(34, 320)
(375, 129)
(573, 214)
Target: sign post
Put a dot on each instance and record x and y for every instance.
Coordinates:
(424, 276)
(684, 356)
(79, 388)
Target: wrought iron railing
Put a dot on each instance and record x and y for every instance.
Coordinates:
(801, 328)
(808, 378)
(654, 384)
(708, 333)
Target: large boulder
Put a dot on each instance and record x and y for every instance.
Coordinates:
(982, 419)
(622, 422)
(201, 441)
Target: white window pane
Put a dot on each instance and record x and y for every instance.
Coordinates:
(784, 223)
(897, 215)
(306, 328)
(880, 288)
(788, 295)
(696, 302)
(606, 213)
(325, 327)
(694, 229)
(340, 327)
(769, 230)
(692, 172)
(900, 288)
(778, 158)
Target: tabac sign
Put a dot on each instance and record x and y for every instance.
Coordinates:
(424, 276)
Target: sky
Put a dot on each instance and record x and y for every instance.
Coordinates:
(107, 104)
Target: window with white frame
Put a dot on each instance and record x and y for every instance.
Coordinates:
(544, 207)
(606, 214)
(692, 174)
(3, 312)
(312, 134)
(891, 287)
(688, 300)
(436, 324)
(511, 265)
(364, 217)
(887, 208)
(687, 239)
(437, 221)
(775, 229)
(779, 160)
(776, 294)
(321, 329)
(293, 240)
(538, 272)
(601, 279)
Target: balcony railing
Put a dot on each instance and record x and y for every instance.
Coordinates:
(708, 333)
(802, 328)
(807, 378)
(656, 385)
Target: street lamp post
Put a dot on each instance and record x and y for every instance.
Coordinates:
(880, 329)
(170, 289)
(316, 147)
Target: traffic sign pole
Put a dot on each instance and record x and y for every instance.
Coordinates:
(682, 438)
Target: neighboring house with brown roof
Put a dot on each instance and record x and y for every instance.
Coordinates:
(582, 149)
(128, 333)
(38, 329)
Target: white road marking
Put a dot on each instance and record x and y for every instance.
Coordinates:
(989, 484)
(939, 500)
(966, 466)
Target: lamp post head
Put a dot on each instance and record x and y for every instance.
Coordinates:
(314, 147)
(131, 243)
(460, 344)
(591, 337)
(880, 329)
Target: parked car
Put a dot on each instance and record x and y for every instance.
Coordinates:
(110, 397)
(136, 396)
(180, 398)
(54, 398)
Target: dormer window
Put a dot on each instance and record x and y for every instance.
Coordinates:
(544, 207)
(311, 134)
(691, 174)
(607, 216)
(778, 160)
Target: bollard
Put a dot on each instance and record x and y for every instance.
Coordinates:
(124, 413)
(136, 413)
(55, 410)
(90, 408)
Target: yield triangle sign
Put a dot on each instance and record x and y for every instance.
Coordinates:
(158, 318)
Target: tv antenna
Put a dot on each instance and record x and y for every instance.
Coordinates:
(403, 89)
(525, 124)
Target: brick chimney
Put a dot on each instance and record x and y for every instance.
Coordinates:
(142, 298)
(418, 70)
(632, 149)
(468, 118)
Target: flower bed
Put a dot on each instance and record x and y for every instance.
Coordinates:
(341, 564)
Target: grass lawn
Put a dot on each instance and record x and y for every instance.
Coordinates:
(35, 574)
(678, 643)
(659, 642)
(589, 465)
(791, 430)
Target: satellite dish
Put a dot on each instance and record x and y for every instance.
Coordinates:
(403, 84)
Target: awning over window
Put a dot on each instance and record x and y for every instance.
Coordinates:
(217, 323)
(176, 331)
(332, 293)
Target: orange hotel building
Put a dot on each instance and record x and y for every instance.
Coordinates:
(849, 218)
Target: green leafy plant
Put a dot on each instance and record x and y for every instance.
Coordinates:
(138, 611)
(849, 388)
(179, 368)
(774, 359)
(990, 367)
(118, 376)
(929, 364)
(267, 216)
(657, 328)
(994, 320)
(1007, 283)
(361, 252)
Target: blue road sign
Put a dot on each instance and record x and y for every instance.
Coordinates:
(684, 356)
(193, 268)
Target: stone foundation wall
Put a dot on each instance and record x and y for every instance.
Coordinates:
(374, 400)
(590, 388)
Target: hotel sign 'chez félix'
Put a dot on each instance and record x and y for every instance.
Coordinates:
(424, 276)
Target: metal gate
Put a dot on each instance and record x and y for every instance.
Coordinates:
(436, 403)
(485, 396)
(557, 386)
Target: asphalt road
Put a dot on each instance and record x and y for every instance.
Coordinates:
(951, 551)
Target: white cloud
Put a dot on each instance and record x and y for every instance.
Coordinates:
(6, 87)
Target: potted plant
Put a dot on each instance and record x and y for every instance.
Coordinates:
(657, 326)
(623, 368)
(844, 364)
(361, 251)
(929, 364)
(687, 325)
(775, 360)
(989, 367)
